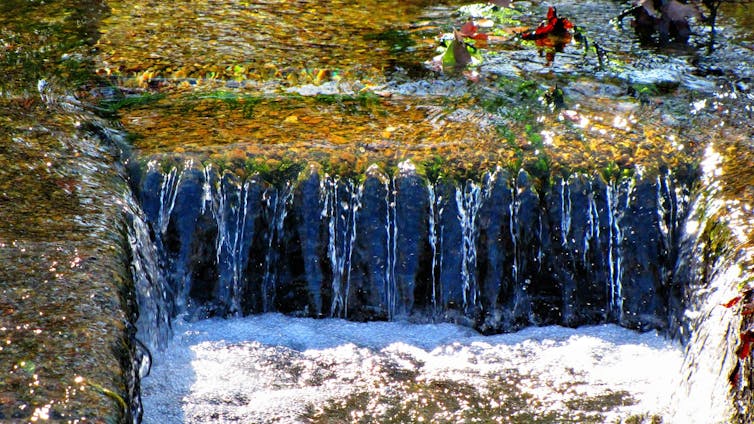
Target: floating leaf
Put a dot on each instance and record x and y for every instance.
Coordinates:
(677, 11)
(553, 26)
(457, 53)
(469, 30)
(732, 302)
(746, 338)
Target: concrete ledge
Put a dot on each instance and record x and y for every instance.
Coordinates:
(65, 305)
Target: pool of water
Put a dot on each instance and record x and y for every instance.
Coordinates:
(272, 368)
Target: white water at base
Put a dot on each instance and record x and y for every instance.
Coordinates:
(273, 368)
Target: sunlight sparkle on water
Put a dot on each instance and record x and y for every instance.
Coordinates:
(271, 367)
(547, 137)
(711, 164)
(621, 122)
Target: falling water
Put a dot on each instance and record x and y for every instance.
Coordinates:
(469, 200)
(614, 250)
(593, 224)
(152, 293)
(435, 240)
(276, 201)
(229, 205)
(168, 193)
(399, 246)
(341, 215)
(513, 225)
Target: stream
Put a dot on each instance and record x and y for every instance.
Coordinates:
(297, 211)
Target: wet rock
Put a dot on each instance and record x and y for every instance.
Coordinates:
(370, 292)
(643, 287)
(450, 240)
(312, 234)
(495, 261)
(411, 262)
(526, 233)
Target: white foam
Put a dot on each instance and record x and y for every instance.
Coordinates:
(274, 368)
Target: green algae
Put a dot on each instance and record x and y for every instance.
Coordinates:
(112, 106)
(513, 126)
(48, 40)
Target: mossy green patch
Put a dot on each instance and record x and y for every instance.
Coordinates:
(112, 106)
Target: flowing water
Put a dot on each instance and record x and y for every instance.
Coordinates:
(283, 158)
(272, 368)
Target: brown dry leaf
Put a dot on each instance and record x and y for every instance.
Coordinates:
(460, 53)
(501, 3)
(334, 138)
(649, 6)
(311, 120)
(677, 11)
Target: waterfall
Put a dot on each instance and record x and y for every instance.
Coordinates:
(496, 254)
(614, 251)
(435, 242)
(468, 200)
(152, 293)
(229, 205)
(276, 201)
(340, 209)
(500, 253)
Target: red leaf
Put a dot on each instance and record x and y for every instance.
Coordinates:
(554, 26)
(732, 302)
(551, 14)
(745, 349)
(469, 29)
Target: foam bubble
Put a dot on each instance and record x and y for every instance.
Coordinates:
(276, 368)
